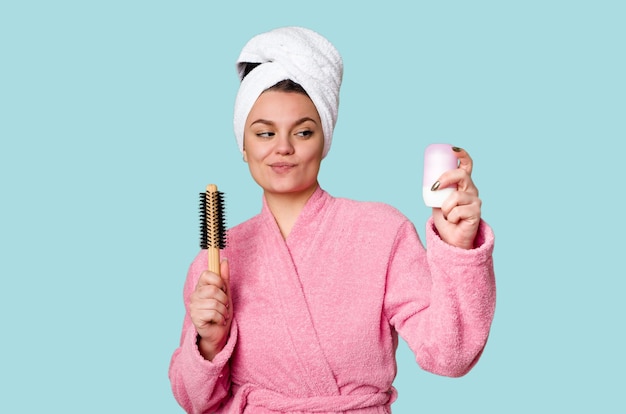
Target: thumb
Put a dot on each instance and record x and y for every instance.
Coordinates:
(225, 272)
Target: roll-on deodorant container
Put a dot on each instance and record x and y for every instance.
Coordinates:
(438, 158)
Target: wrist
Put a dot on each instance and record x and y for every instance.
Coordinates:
(208, 349)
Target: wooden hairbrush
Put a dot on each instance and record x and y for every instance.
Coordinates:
(212, 225)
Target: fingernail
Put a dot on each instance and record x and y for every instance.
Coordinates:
(435, 186)
(456, 149)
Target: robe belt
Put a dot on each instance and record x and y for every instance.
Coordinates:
(254, 396)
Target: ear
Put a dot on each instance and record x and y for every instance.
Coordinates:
(245, 155)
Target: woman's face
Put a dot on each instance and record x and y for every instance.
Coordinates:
(283, 142)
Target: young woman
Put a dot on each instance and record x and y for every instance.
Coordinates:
(315, 289)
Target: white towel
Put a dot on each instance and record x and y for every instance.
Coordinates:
(294, 53)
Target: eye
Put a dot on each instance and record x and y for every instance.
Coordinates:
(305, 134)
(264, 134)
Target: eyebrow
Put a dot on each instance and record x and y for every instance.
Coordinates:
(298, 122)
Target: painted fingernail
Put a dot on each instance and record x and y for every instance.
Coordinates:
(435, 186)
(456, 149)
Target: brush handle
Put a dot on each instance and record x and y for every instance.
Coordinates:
(213, 253)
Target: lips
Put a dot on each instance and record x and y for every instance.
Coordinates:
(282, 167)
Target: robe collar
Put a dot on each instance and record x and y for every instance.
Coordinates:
(311, 213)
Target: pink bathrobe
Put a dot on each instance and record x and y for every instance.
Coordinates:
(316, 316)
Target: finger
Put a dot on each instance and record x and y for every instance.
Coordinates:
(467, 213)
(203, 310)
(465, 161)
(200, 306)
(209, 278)
(210, 292)
(225, 271)
(461, 206)
(217, 315)
(458, 179)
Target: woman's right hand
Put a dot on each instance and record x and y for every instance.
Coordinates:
(211, 310)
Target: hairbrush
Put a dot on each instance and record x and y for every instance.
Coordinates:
(212, 225)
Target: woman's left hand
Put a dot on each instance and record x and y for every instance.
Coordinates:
(459, 216)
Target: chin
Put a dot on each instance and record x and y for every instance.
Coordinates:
(291, 188)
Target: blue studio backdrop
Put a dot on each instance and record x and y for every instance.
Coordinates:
(115, 115)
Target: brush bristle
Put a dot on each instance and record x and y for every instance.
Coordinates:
(212, 220)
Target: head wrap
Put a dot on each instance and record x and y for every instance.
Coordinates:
(294, 53)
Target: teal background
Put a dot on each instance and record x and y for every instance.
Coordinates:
(115, 115)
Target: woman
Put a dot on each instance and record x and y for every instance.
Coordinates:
(315, 289)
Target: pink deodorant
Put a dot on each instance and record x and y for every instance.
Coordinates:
(438, 158)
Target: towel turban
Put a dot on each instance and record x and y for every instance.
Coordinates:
(300, 55)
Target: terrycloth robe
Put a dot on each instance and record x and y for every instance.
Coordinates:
(316, 316)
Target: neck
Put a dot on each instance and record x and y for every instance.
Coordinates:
(286, 207)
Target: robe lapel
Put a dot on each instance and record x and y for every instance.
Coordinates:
(293, 305)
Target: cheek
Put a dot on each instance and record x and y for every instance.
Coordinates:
(256, 154)
(315, 154)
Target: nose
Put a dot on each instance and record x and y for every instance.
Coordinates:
(284, 146)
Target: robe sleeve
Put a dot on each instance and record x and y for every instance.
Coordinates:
(199, 386)
(441, 300)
